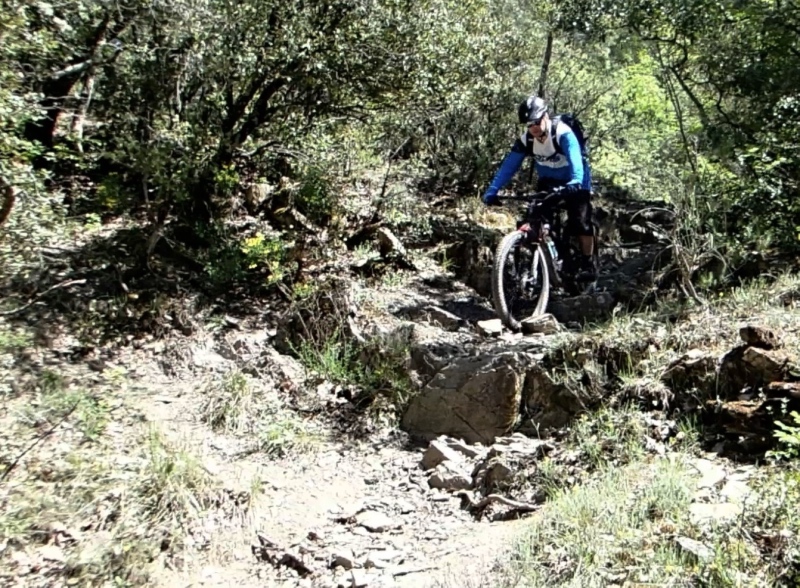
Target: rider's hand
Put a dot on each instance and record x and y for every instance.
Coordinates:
(491, 200)
(571, 188)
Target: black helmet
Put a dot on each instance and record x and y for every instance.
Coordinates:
(531, 110)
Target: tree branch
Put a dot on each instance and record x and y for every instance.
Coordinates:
(36, 442)
(688, 91)
(259, 112)
(678, 113)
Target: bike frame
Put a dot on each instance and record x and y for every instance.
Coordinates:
(536, 227)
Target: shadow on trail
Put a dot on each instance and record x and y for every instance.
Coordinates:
(106, 294)
(449, 314)
(107, 291)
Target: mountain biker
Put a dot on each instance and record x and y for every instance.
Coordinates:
(560, 167)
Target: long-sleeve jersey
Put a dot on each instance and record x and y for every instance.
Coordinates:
(565, 167)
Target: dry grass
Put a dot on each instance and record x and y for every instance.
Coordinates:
(237, 404)
(90, 493)
(674, 329)
(767, 304)
(490, 217)
(601, 532)
(622, 528)
(92, 514)
(619, 526)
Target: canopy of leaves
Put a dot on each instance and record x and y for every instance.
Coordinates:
(182, 105)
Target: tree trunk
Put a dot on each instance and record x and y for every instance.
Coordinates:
(79, 117)
(548, 54)
(43, 131)
(9, 197)
(59, 85)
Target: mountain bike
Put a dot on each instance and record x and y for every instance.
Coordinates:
(537, 257)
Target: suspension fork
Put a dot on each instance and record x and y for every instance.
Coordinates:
(541, 241)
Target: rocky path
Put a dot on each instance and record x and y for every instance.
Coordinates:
(381, 512)
(376, 511)
(363, 513)
(321, 499)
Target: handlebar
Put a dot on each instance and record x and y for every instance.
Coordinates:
(547, 198)
(530, 197)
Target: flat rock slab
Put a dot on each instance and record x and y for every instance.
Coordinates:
(711, 474)
(736, 491)
(490, 328)
(756, 336)
(439, 451)
(450, 477)
(696, 548)
(546, 324)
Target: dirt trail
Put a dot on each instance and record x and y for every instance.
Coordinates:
(353, 512)
(366, 502)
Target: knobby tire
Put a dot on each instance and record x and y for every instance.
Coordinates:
(541, 258)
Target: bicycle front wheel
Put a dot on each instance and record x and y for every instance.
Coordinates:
(520, 280)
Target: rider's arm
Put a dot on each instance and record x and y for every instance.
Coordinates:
(508, 168)
(572, 150)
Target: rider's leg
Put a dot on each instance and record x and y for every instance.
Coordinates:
(580, 223)
(587, 244)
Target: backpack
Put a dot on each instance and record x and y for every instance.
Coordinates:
(574, 123)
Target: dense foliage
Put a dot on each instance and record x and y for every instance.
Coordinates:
(179, 108)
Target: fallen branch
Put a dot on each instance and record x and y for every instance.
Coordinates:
(515, 504)
(64, 284)
(36, 442)
(407, 571)
(269, 551)
(491, 498)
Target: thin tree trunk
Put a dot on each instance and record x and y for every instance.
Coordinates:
(9, 197)
(80, 114)
(548, 54)
(61, 83)
(43, 130)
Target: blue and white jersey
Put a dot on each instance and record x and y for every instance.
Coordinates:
(546, 155)
(565, 166)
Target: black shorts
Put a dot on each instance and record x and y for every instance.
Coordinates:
(577, 205)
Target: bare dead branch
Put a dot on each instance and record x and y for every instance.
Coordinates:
(36, 442)
(548, 54)
(64, 284)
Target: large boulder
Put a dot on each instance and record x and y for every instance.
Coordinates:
(473, 398)
(470, 248)
(749, 368)
(551, 398)
(584, 308)
(431, 350)
(691, 378)
(487, 391)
